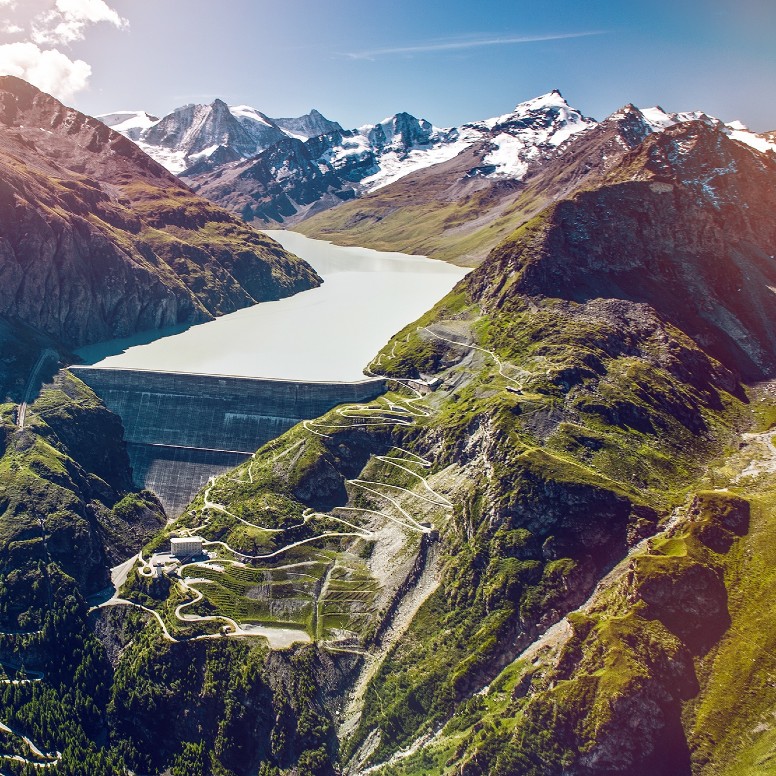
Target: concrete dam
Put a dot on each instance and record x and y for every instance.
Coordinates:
(182, 428)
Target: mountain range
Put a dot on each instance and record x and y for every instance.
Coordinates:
(285, 171)
(546, 550)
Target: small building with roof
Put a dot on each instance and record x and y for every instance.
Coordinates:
(186, 546)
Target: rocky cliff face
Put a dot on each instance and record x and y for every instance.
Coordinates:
(281, 182)
(680, 241)
(98, 241)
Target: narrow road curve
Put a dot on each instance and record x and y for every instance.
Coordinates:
(278, 638)
(29, 389)
(51, 759)
(499, 363)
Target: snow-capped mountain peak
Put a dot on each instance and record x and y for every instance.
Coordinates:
(309, 125)
(131, 123)
(245, 113)
(311, 162)
(534, 128)
(659, 119)
(195, 134)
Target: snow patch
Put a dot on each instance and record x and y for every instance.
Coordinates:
(507, 157)
(658, 119)
(174, 161)
(204, 154)
(394, 165)
(246, 112)
(126, 120)
(738, 131)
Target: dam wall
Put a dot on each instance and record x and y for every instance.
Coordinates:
(182, 428)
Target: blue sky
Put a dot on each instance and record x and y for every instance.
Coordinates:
(358, 61)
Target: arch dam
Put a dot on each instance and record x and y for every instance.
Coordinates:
(182, 428)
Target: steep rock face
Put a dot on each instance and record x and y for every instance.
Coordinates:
(403, 129)
(98, 241)
(194, 129)
(282, 181)
(310, 125)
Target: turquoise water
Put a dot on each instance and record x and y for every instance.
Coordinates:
(326, 334)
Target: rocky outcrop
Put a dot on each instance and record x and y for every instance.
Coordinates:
(682, 224)
(67, 492)
(287, 179)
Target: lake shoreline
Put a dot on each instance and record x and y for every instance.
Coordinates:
(327, 334)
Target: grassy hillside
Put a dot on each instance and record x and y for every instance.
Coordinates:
(546, 553)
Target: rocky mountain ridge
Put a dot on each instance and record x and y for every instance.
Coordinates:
(317, 165)
(460, 214)
(100, 241)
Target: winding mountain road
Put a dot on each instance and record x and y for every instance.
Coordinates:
(384, 412)
(50, 759)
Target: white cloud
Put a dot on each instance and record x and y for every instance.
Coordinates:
(8, 4)
(90, 11)
(67, 22)
(50, 70)
(461, 44)
(10, 28)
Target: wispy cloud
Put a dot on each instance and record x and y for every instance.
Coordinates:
(462, 44)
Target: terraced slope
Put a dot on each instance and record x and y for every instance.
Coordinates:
(501, 564)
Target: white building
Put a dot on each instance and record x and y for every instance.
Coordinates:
(186, 546)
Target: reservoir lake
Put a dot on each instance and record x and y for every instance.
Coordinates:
(326, 334)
